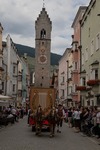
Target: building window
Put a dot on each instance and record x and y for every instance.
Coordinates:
(74, 88)
(76, 65)
(82, 59)
(2, 85)
(75, 46)
(97, 41)
(42, 43)
(92, 47)
(13, 87)
(86, 54)
(63, 79)
(96, 74)
(89, 32)
(83, 81)
(20, 93)
(69, 90)
(20, 78)
(63, 93)
(14, 69)
(43, 33)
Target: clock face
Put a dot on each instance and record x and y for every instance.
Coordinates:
(42, 59)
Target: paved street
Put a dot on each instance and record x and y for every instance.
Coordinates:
(20, 137)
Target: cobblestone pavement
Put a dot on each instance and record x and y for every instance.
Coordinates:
(20, 137)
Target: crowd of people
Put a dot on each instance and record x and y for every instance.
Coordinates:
(11, 114)
(82, 119)
(85, 120)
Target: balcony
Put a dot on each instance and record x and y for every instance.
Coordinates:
(93, 82)
(81, 88)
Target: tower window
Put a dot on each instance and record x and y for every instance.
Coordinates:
(43, 33)
(96, 74)
(42, 43)
(41, 84)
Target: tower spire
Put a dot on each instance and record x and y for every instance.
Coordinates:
(43, 4)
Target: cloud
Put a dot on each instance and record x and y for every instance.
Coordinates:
(18, 19)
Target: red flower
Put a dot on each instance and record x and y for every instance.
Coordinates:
(81, 88)
(93, 82)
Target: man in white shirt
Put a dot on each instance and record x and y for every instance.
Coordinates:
(77, 119)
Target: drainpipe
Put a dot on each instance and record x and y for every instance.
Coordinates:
(5, 92)
(80, 47)
(17, 82)
(67, 79)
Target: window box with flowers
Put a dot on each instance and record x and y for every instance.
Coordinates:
(81, 88)
(93, 82)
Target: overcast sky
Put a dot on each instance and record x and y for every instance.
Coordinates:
(18, 19)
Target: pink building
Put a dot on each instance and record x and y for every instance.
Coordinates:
(76, 37)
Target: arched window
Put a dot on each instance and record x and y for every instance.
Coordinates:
(43, 33)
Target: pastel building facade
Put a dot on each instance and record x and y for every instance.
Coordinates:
(76, 38)
(90, 54)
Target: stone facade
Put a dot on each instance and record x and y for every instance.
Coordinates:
(43, 27)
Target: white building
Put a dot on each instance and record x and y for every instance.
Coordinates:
(10, 62)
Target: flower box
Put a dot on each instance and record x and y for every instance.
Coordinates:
(81, 88)
(93, 82)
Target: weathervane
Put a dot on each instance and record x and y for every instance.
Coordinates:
(43, 4)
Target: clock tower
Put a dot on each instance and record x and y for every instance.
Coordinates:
(43, 27)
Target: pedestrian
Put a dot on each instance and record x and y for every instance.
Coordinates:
(29, 112)
(98, 123)
(60, 116)
(14, 113)
(77, 119)
(52, 120)
(21, 112)
(39, 119)
(70, 117)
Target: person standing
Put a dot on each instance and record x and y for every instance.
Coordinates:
(98, 122)
(70, 117)
(60, 117)
(77, 119)
(52, 121)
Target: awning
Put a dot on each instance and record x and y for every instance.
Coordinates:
(3, 97)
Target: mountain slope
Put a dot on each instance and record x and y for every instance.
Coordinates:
(31, 53)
